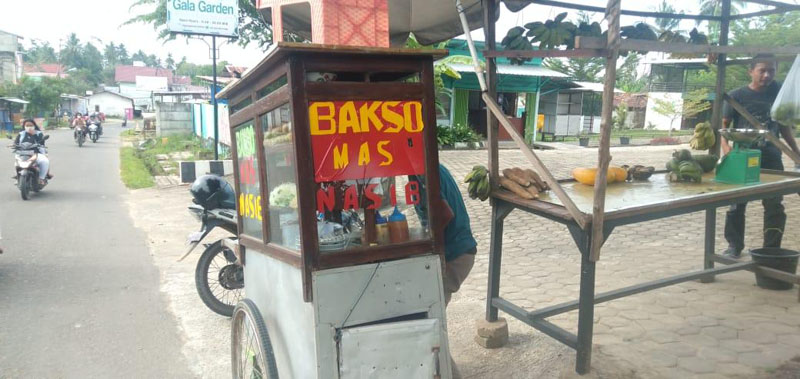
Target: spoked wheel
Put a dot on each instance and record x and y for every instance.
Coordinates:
(251, 348)
(219, 279)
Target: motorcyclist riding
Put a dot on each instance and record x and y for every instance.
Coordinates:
(79, 124)
(95, 118)
(33, 134)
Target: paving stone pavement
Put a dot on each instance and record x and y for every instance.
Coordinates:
(729, 328)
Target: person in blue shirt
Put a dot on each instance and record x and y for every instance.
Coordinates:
(459, 244)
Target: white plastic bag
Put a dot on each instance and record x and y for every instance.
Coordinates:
(786, 108)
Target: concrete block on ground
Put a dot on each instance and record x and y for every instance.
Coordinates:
(492, 335)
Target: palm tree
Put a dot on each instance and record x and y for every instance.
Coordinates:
(714, 8)
(667, 24)
(72, 53)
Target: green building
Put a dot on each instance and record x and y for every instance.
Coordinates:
(523, 90)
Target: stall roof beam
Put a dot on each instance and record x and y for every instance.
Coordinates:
(591, 8)
(572, 53)
(683, 48)
(765, 12)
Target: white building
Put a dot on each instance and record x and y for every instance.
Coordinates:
(110, 103)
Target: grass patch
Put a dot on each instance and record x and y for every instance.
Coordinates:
(133, 171)
(128, 133)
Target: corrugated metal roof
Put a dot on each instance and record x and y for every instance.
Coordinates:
(506, 69)
(594, 87)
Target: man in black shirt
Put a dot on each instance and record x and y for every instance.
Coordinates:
(757, 98)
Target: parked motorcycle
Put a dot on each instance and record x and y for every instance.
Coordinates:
(26, 169)
(219, 275)
(94, 131)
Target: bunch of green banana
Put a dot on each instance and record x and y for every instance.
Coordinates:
(703, 138)
(515, 40)
(585, 29)
(552, 33)
(684, 168)
(479, 186)
(638, 31)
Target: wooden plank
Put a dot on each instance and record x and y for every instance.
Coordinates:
(759, 13)
(774, 4)
(492, 128)
(716, 108)
(770, 137)
(590, 8)
(705, 199)
(603, 153)
(538, 165)
(573, 53)
(555, 210)
(304, 174)
(361, 255)
(342, 91)
(683, 48)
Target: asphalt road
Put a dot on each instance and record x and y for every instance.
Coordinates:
(79, 293)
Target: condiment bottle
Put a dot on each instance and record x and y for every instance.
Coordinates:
(382, 229)
(398, 227)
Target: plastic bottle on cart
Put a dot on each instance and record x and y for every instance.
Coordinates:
(382, 229)
(398, 227)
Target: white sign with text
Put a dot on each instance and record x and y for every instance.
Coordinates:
(205, 17)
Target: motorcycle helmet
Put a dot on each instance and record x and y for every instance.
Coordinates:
(212, 192)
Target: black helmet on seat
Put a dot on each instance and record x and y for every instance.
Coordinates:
(212, 191)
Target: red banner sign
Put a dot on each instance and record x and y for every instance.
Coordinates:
(366, 139)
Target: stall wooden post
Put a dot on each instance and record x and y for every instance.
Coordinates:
(604, 156)
(716, 112)
(492, 126)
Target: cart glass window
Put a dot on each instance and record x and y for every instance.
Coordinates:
(250, 204)
(284, 227)
(369, 168)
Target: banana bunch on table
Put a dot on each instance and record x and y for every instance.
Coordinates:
(703, 138)
(479, 185)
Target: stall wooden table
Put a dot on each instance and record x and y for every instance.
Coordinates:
(626, 203)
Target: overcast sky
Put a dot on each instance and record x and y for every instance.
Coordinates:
(101, 20)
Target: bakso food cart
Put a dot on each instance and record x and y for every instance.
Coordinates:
(338, 200)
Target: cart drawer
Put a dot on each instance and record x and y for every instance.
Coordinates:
(407, 349)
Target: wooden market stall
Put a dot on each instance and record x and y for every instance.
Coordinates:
(592, 213)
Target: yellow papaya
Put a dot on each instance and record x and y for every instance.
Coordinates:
(586, 175)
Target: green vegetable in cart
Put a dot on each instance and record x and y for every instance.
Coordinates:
(284, 195)
(707, 161)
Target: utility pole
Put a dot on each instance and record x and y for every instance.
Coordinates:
(214, 95)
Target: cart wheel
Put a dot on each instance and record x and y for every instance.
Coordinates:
(251, 349)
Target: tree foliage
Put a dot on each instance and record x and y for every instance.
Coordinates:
(580, 69)
(40, 52)
(42, 93)
(252, 27)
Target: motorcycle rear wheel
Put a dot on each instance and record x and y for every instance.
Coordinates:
(214, 279)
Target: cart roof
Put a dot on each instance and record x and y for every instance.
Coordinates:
(285, 48)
